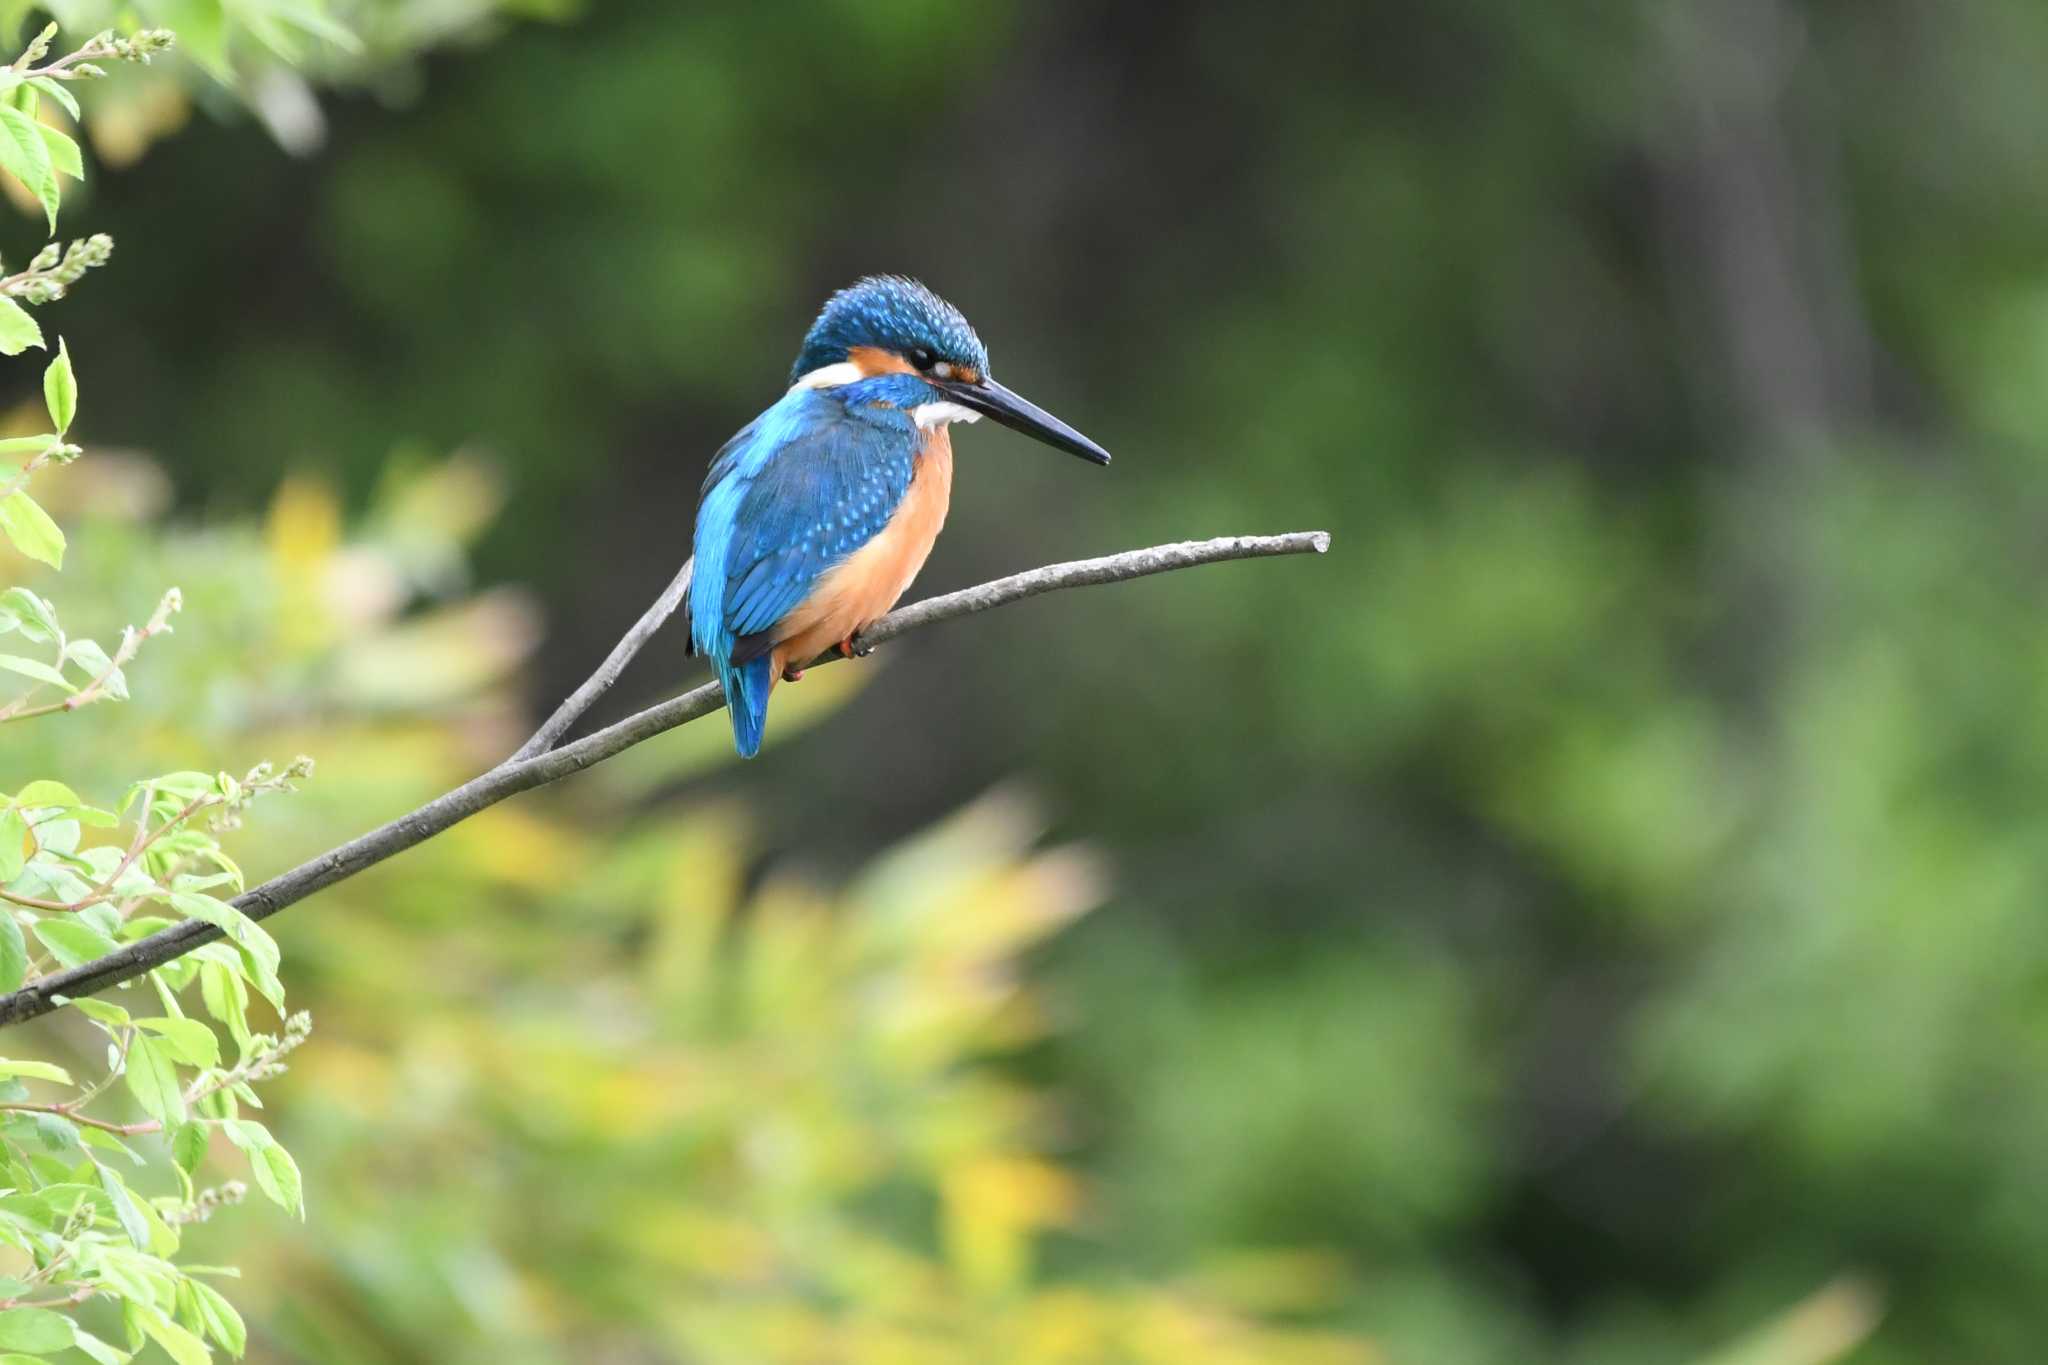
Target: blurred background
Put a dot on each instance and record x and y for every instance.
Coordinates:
(1594, 915)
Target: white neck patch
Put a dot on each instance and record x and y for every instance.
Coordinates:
(931, 416)
(831, 376)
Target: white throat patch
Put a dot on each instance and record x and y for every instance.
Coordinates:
(929, 416)
(934, 415)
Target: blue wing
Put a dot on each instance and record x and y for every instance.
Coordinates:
(805, 485)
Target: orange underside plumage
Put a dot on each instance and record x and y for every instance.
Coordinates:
(860, 590)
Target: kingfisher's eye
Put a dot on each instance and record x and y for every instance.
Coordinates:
(922, 357)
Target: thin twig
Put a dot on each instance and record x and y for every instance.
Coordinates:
(519, 775)
(600, 682)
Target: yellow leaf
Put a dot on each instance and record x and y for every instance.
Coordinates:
(994, 1207)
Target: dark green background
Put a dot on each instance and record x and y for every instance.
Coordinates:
(1604, 896)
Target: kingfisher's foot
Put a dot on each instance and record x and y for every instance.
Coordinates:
(848, 649)
(792, 674)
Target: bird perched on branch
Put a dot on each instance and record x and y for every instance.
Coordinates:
(820, 512)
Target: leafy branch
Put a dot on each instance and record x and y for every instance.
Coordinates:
(105, 676)
(531, 768)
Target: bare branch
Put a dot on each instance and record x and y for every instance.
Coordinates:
(600, 682)
(516, 774)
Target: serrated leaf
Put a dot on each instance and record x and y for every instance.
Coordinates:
(277, 1175)
(185, 1040)
(125, 1211)
(179, 1344)
(226, 999)
(34, 1329)
(72, 942)
(25, 156)
(60, 389)
(18, 331)
(242, 931)
(42, 1071)
(55, 1132)
(223, 1323)
(188, 1146)
(100, 1012)
(56, 91)
(153, 1080)
(31, 530)
(63, 151)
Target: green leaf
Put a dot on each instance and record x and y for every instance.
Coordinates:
(226, 998)
(179, 1344)
(18, 331)
(54, 1132)
(277, 1175)
(63, 152)
(13, 844)
(31, 530)
(56, 91)
(223, 1323)
(31, 610)
(102, 1353)
(57, 834)
(44, 792)
(42, 1071)
(186, 1040)
(26, 445)
(107, 1142)
(125, 1210)
(100, 1012)
(73, 943)
(34, 668)
(60, 389)
(98, 667)
(25, 156)
(35, 1329)
(13, 954)
(153, 1080)
(243, 932)
(188, 1146)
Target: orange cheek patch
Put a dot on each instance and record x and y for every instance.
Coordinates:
(874, 360)
(967, 374)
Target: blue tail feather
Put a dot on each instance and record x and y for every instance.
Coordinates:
(746, 697)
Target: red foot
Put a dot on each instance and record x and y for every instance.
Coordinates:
(849, 650)
(792, 674)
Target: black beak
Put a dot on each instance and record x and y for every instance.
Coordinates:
(1021, 414)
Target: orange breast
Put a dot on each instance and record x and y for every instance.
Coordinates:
(860, 590)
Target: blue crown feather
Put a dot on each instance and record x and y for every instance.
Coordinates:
(892, 313)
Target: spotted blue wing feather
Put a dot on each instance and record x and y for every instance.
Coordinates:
(818, 501)
(809, 482)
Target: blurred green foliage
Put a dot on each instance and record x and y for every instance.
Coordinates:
(1596, 902)
(638, 1100)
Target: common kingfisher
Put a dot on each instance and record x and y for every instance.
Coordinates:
(815, 518)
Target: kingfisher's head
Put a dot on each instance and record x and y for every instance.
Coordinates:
(887, 324)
